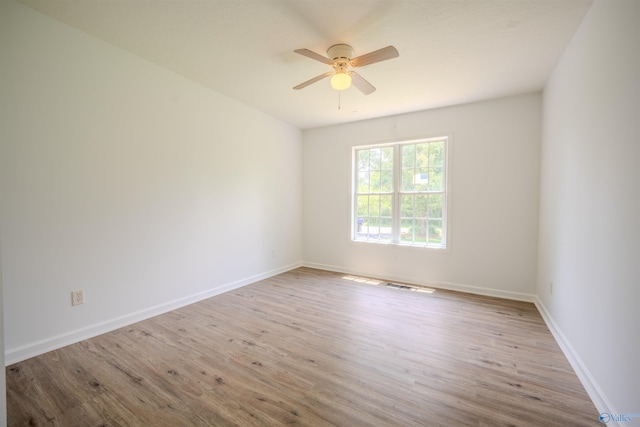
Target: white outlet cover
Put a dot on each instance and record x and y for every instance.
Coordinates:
(77, 297)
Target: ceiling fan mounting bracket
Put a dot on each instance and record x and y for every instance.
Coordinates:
(340, 51)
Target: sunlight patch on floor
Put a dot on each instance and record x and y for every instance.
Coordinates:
(425, 290)
(365, 280)
(369, 281)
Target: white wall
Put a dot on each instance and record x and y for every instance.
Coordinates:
(3, 378)
(139, 186)
(590, 204)
(494, 160)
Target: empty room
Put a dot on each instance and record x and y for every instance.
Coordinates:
(320, 212)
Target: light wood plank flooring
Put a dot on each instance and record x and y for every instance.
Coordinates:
(311, 348)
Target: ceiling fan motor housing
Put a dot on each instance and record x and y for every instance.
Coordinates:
(341, 55)
(340, 51)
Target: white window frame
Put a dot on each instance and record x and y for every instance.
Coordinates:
(397, 171)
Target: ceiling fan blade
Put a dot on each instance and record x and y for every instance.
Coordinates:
(359, 82)
(375, 56)
(310, 54)
(313, 80)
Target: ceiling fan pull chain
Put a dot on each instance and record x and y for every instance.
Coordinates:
(339, 99)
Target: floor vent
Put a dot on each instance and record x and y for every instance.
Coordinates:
(397, 286)
(409, 288)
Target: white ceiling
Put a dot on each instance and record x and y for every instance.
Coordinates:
(451, 51)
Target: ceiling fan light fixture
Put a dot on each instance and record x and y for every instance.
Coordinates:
(341, 81)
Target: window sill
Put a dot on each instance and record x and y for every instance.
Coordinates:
(444, 249)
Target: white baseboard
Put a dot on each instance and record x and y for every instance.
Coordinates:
(591, 386)
(18, 354)
(517, 296)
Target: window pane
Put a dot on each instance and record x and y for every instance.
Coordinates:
(386, 181)
(420, 206)
(420, 231)
(374, 159)
(408, 156)
(363, 182)
(435, 206)
(374, 206)
(421, 179)
(406, 230)
(422, 155)
(436, 181)
(406, 206)
(387, 159)
(436, 153)
(385, 228)
(386, 206)
(435, 231)
(407, 179)
(375, 181)
(363, 160)
(372, 228)
(363, 206)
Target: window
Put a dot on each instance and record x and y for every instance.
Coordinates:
(400, 193)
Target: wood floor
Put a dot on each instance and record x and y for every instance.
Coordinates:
(311, 348)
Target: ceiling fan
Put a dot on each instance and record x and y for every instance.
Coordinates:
(340, 57)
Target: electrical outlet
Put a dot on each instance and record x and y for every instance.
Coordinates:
(77, 297)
